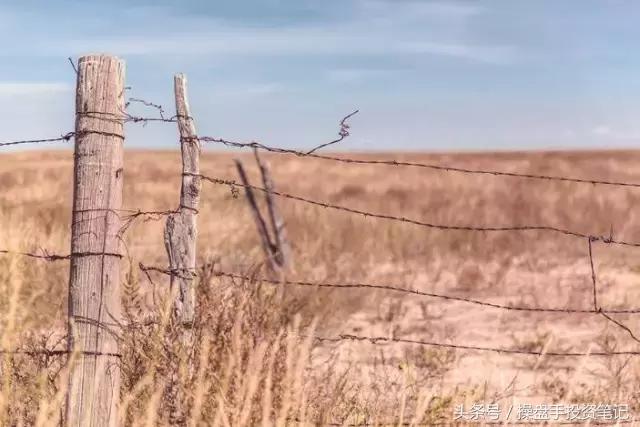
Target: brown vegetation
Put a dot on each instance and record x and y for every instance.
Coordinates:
(255, 363)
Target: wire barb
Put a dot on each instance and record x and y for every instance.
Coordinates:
(342, 134)
(400, 163)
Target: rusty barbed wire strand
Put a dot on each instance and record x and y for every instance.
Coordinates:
(169, 272)
(127, 219)
(66, 137)
(44, 256)
(69, 135)
(133, 215)
(596, 306)
(375, 340)
(342, 134)
(384, 340)
(444, 227)
(393, 288)
(128, 118)
(158, 107)
(55, 257)
(436, 167)
(122, 117)
(378, 340)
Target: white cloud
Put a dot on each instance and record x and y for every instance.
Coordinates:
(489, 54)
(616, 134)
(266, 42)
(417, 8)
(371, 27)
(32, 88)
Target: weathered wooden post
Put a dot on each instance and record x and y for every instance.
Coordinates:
(94, 283)
(180, 236)
(181, 229)
(274, 243)
(282, 252)
(263, 231)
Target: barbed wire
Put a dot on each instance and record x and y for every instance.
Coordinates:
(597, 308)
(400, 163)
(131, 215)
(158, 107)
(55, 257)
(342, 134)
(393, 288)
(122, 117)
(539, 353)
(66, 137)
(125, 117)
(444, 227)
(42, 256)
(376, 340)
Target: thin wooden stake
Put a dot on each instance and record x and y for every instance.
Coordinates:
(181, 229)
(94, 281)
(280, 244)
(263, 232)
(180, 236)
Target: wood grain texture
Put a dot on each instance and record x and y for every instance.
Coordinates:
(181, 228)
(94, 282)
(180, 235)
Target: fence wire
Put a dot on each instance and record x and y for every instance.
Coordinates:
(443, 227)
(128, 216)
(409, 291)
(401, 163)
(540, 353)
(377, 340)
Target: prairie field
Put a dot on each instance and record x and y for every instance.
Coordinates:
(257, 359)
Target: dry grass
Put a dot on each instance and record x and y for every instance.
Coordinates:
(249, 367)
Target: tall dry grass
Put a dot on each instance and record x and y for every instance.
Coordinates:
(254, 363)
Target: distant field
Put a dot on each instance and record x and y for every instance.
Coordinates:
(354, 381)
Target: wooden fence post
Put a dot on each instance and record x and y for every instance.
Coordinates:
(181, 229)
(94, 281)
(180, 236)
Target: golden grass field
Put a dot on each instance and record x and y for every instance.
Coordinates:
(251, 366)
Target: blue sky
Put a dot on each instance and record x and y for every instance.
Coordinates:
(426, 75)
